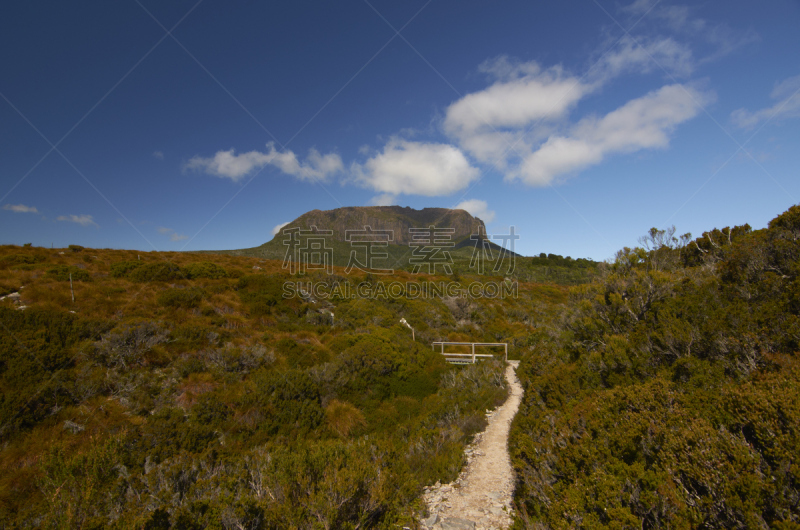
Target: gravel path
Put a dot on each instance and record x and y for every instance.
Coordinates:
(481, 496)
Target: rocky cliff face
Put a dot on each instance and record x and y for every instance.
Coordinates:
(395, 218)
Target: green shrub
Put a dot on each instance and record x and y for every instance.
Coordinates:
(190, 364)
(196, 334)
(20, 259)
(289, 402)
(61, 273)
(345, 485)
(156, 272)
(241, 360)
(260, 293)
(76, 485)
(126, 347)
(122, 268)
(7, 288)
(205, 269)
(342, 417)
(147, 272)
(181, 298)
(75, 248)
(167, 433)
(210, 411)
(670, 398)
(301, 354)
(37, 361)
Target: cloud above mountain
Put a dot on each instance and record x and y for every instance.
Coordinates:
(20, 208)
(522, 94)
(228, 164)
(83, 220)
(415, 168)
(173, 235)
(477, 208)
(529, 124)
(642, 123)
(519, 125)
(277, 228)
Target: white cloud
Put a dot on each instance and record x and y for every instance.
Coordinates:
(20, 208)
(415, 168)
(643, 123)
(173, 235)
(477, 208)
(384, 199)
(526, 103)
(522, 94)
(227, 164)
(83, 220)
(719, 39)
(787, 94)
(677, 17)
(316, 167)
(643, 55)
(786, 88)
(725, 41)
(278, 228)
(158, 154)
(640, 7)
(518, 123)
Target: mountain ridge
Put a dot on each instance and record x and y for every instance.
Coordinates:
(400, 220)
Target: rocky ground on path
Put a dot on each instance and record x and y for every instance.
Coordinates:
(480, 498)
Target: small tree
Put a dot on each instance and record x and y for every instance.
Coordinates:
(663, 248)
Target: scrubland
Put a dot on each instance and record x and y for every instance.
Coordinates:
(183, 390)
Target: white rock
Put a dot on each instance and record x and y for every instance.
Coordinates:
(455, 523)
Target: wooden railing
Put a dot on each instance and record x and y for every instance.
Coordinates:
(463, 358)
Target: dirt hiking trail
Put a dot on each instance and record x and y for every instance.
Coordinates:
(480, 498)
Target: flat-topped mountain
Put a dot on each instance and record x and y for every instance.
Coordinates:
(398, 219)
(452, 233)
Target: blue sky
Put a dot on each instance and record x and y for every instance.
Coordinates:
(204, 125)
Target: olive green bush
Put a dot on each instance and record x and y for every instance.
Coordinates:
(182, 298)
(62, 273)
(156, 272)
(205, 269)
(670, 398)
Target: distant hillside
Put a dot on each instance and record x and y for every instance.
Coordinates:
(399, 220)
(395, 220)
(401, 251)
